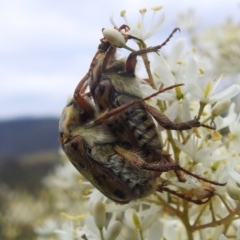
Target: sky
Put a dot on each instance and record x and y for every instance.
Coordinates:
(46, 47)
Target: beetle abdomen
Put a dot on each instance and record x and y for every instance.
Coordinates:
(109, 172)
(139, 122)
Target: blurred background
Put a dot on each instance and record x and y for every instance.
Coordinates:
(46, 48)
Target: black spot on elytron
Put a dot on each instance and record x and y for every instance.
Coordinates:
(81, 165)
(78, 165)
(104, 177)
(100, 179)
(120, 194)
(74, 145)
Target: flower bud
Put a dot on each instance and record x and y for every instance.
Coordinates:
(237, 169)
(220, 107)
(233, 190)
(99, 214)
(113, 230)
(114, 37)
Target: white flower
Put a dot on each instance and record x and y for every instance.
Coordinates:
(69, 232)
(47, 227)
(234, 134)
(110, 232)
(187, 21)
(64, 176)
(228, 120)
(155, 232)
(143, 29)
(95, 195)
(182, 68)
(207, 93)
(113, 230)
(204, 152)
(233, 174)
(178, 68)
(143, 219)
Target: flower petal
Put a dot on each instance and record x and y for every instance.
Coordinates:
(228, 93)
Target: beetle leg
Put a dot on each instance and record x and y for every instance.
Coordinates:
(80, 85)
(125, 27)
(82, 82)
(135, 160)
(122, 108)
(83, 103)
(159, 117)
(132, 58)
(157, 167)
(156, 48)
(110, 54)
(168, 124)
(189, 199)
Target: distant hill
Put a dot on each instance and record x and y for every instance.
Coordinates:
(29, 149)
(21, 137)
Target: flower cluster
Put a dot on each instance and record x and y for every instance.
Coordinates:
(218, 44)
(211, 151)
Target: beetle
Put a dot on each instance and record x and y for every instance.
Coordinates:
(100, 158)
(113, 84)
(120, 173)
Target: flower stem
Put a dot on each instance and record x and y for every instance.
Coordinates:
(202, 106)
(101, 234)
(147, 65)
(224, 220)
(141, 234)
(185, 221)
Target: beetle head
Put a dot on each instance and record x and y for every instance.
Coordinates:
(72, 117)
